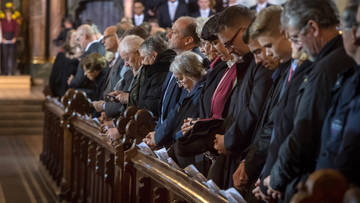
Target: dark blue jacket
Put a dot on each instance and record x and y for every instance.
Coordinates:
(348, 159)
(331, 135)
(188, 107)
(339, 141)
(298, 153)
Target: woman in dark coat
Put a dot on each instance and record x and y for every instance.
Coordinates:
(65, 64)
(95, 69)
(188, 71)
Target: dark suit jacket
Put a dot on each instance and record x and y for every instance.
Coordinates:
(219, 6)
(256, 156)
(114, 109)
(95, 89)
(297, 155)
(244, 108)
(171, 97)
(163, 15)
(151, 82)
(197, 13)
(192, 5)
(247, 102)
(347, 159)
(114, 76)
(187, 108)
(212, 79)
(80, 81)
(62, 69)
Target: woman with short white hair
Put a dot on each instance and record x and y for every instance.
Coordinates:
(188, 70)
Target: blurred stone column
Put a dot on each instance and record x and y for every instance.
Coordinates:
(57, 12)
(341, 5)
(37, 21)
(128, 4)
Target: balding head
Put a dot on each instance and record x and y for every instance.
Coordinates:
(85, 34)
(110, 39)
(183, 36)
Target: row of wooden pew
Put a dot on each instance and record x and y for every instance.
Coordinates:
(89, 168)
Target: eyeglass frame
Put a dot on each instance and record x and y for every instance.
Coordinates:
(178, 82)
(231, 41)
(302, 31)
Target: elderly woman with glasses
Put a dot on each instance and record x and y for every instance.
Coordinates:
(188, 71)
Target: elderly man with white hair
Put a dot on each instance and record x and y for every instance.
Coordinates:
(86, 38)
(129, 52)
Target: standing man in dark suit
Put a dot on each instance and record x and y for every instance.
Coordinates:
(261, 4)
(192, 5)
(312, 25)
(139, 14)
(205, 9)
(110, 42)
(170, 11)
(248, 96)
(86, 37)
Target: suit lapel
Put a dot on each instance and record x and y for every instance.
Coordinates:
(169, 95)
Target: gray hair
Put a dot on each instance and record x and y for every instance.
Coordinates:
(349, 14)
(200, 22)
(130, 43)
(86, 29)
(153, 43)
(189, 64)
(298, 12)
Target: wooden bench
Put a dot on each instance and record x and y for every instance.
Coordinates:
(93, 169)
(327, 185)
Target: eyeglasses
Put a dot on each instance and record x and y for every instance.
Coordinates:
(178, 81)
(295, 37)
(231, 41)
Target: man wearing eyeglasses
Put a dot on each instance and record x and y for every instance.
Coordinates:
(248, 96)
(313, 25)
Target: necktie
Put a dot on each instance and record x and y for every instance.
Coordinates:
(289, 77)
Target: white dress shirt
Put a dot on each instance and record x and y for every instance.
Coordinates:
(205, 13)
(260, 7)
(139, 19)
(172, 9)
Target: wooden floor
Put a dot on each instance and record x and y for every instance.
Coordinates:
(13, 94)
(22, 177)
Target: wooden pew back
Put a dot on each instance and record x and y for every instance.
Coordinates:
(92, 169)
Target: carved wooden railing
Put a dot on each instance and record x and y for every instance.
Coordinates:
(90, 168)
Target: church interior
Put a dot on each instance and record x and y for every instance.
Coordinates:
(179, 101)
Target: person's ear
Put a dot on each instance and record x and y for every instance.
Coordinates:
(155, 54)
(313, 27)
(189, 40)
(355, 36)
(283, 33)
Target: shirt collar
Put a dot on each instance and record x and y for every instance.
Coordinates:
(139, 16)
(88, 46)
